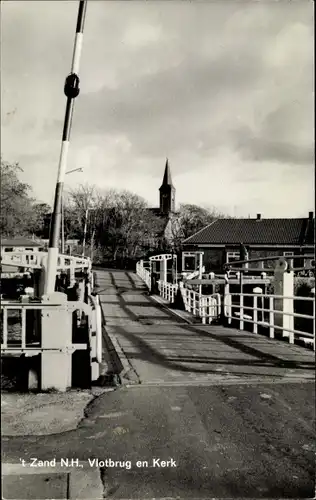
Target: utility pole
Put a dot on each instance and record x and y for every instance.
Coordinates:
(85, 232)
(80, 169)
(71, 90)
(62, 226)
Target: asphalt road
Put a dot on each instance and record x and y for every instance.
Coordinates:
(245, 439)
(234, 441)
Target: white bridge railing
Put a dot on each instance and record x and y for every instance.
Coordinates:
(36, 260)
(167, 290)
(265, 311)
(24, 341)
(24, 331)
(294, 316)
(143, 273)
(207, 307)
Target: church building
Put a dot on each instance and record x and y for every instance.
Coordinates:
(166, 211)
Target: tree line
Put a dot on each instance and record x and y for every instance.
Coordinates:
(113, 225)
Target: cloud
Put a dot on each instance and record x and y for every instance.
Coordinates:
(224, 89)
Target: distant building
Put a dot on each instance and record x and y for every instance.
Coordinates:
(221, 240)
(166, 211)
(19, 245)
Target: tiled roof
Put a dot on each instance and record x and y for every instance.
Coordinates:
(256, 232)
(19, 242)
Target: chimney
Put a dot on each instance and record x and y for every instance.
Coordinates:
(258, 216)
(310, 216)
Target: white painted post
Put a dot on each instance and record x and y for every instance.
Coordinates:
(227, 299)
(313, 293)
(271, 317)
(163, 270)
(200, 271)
(241, 309)
(284, 285)
(257, 291)
(255, 313)
(203, 309)
(57, 335)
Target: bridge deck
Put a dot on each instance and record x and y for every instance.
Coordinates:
(161, 348)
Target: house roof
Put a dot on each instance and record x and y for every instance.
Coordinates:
(19, 242)
(253, 231)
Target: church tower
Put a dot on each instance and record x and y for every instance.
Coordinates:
(167, 193)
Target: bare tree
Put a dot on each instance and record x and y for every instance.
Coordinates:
(124, 225)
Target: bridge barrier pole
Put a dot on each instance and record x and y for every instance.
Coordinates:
(56, 335)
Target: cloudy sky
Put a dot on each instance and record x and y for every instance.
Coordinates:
(223, 89)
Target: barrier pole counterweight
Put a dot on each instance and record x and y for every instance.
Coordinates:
(71, 91)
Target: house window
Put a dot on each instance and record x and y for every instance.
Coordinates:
(232, 257)
(309, 263)
(235, 256)
(7, 249)
(289, 254)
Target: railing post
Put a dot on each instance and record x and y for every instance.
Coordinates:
(200, 303)
(241, 309)
(284, 285)
(219, 305)
(255, 314)
(207, 309)
(228, 307)
(271, 317)
(5, 327)
(163, 270)
(257, 291)
(203, 308)
(314, 320)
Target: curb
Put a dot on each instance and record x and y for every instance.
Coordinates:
(159, 301)
(123, 360)
(83, 481)
(118, 360)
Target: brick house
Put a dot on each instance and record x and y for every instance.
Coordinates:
(220, 241)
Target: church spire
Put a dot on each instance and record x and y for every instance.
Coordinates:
(167, 181)
(167, 192)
